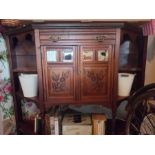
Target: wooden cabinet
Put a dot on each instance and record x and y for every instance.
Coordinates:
(95, 73)
(77, 74)
(59, 63)
(76, 63)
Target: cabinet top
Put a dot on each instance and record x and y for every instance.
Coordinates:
(78, 25)
(74, 25)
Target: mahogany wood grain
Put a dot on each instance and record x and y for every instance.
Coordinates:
(82, 81)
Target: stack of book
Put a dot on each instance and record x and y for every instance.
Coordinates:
(53, 122)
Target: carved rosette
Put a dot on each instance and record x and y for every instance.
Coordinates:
(59, 81)
(97, 79)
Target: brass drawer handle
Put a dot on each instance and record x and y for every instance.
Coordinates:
(54, 38)
(100, 38)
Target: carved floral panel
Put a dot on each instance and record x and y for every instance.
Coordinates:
(60, 81)
(95, 81)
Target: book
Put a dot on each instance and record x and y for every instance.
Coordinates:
(51, 125)
(38, 125)
(53, 121)
(56, 124)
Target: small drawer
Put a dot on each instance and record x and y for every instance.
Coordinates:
(76, 37)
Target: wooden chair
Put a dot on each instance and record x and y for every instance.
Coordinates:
(140, 116)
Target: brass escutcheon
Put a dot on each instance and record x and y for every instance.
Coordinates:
(54, 38)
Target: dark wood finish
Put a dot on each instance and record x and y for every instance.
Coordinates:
(143, 58)
(95, 75)
(26, 127)
(114, 72)
(17, 107)
(60, 82)
(59, 76)
(136, 57)
(130, 70)
(77, 63)
(39, 70)
(25, 70)
(22, 59)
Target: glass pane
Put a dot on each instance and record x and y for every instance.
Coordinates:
(67, 56)
(88, 55)
(52, 56)
(102, 55)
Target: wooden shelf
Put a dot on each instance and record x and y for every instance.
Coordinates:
(33, 99)
(26, 127)
(130, 70)
(24, 54)
(25, 70)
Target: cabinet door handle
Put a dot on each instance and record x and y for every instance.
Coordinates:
(100, 38)
(54, 38)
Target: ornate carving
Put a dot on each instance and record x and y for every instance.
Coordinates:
(97, 79)
(59, 81)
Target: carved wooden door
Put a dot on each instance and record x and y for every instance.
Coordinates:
(96, 72)
(58, 72)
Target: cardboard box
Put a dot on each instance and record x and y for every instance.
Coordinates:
(72, 127)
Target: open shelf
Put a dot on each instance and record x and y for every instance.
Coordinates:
(33, 99)
(25, 70)
(24, 54)
(26, 127)
(130, 70)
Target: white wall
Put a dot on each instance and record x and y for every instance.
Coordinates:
(150, 61)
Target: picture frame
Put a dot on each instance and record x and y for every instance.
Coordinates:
(67, 56)
(102, 55)
(52, 56)
(88, 55)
